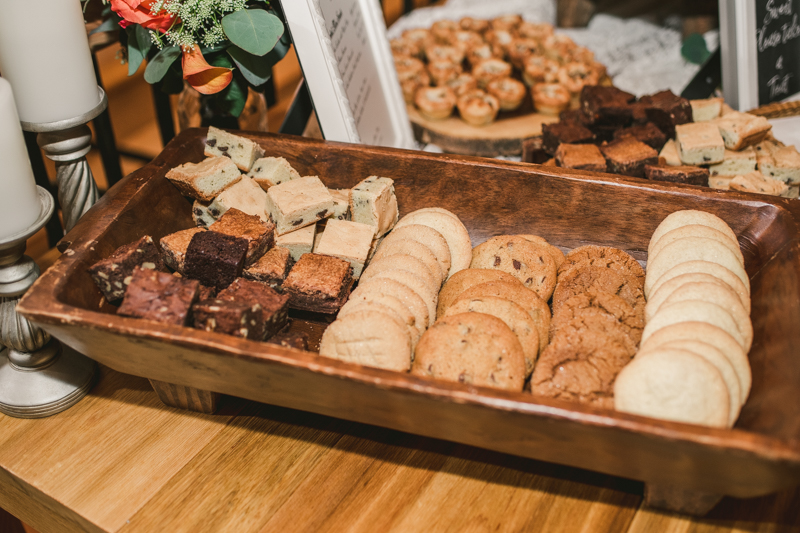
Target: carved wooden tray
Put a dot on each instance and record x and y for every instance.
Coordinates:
(569, 208)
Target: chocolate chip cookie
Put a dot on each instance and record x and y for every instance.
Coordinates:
(529, 262)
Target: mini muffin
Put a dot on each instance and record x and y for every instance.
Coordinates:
(575, 75)
(443, 29)
(441, 52)
(408, 67)
(435, 103)
(521, 49)
(465, 40)
(472, 24)
(443, 71)
(582, 54)
(550, 98)
(558, 47)
(410, 86)
(540, 69)
(531, 30)
(463, 83)
(506, 22)
(508, 91)
(421, 36)
(481, 53)
(491, 69)
(478, 108)
(403, 47)
(500, 41)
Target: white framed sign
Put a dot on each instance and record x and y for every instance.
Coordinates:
(347, 64)
(760, 44)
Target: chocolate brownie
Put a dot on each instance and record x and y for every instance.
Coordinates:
(574, 116)
(666, 110)
(628, 156)
(648, 133)
(581, 157)
(296, 340)
(274, 306)
(319, 283)
(173, 247)
(271, 268)
(680, 174)
(159, 296)
(113, 274)
(533, 151)
(215, 259)
(260, 236)
(607, 105)
(559, 132)
(232, 318)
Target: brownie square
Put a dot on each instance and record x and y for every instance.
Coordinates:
(274, 306)
(113, 274)
(319, 283)
(667, 110)
(555, 134)
(581, 157)
(260, 236)
(575, 116)
(648, 133)
(628, 156)
(271, 268)
(159, 296)
(233, 318)
(533, 152)
(607, 105)
(680, 174)
(296, 340)
(215, 259)
(173, 247)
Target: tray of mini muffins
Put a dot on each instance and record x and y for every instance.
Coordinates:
(502, 299)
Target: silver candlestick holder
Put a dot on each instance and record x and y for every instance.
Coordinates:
(38, 375)
(67, 142)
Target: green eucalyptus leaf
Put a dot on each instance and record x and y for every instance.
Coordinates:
(139, 44)
(253, 30)
(159, 65)
(257, 70)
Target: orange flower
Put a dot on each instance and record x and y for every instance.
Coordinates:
(199, 74)
(138, 12)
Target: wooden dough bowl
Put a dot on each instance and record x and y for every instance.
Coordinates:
(684, 465)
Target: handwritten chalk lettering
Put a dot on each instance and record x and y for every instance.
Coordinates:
(779, 86)
(790, 31)
(775, 11)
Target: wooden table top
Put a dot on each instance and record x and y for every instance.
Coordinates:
(121, 461)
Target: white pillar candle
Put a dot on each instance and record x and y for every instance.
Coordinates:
(19, 201)
(44, 54)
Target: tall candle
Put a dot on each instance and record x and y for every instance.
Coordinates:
(44, 54)
(19, 201)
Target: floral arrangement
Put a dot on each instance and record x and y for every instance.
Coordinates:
(224, 46)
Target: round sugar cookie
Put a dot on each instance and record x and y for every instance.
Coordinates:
(525, 298)
(452, 230)
(427, 236)
(558, 255)
(691, 311)
(401, 262)
(723, 274)
(607, 256)
(408, 279)
(672, 384)
(529, 262)
(353, 338)
(664, 290)
(513, 315)
(471, 348)
(711, 335)
(414, 249)
(464, 279)
(384, 303)
(413, 302)
(695, 230)
(692, 249)
(716, 358)
(689, 217)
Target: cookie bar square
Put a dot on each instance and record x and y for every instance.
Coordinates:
(274, 314)
(245, 195)
(269, 171)
(606, 105)
(758, 183)
(706, 109)
(319, 283)
(202, 215)
(341, 203)
(735, 163)
(298, 203)
(666, 110)
(628, 156)
(648, 133)
(206, 179)
(159, 296)
(793, 191)
(232, 318)
(720, 182)
(260, 235)
(173, 247)
(557, 133)
(780, 163)
(373, 202)
(241, 150)
(740, 130)
(298, 242)
(347, 240)
(670, 154)
(112, 275)
(699, 143)
(678, 174)
(581, 157)
(271, 268)
(215, 259)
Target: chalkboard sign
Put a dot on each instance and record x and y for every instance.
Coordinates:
(760, 42)
(346, 61)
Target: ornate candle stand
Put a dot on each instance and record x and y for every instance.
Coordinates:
(38, 375)
(67, 142)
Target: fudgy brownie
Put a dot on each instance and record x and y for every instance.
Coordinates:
(274, 306)
(574, 116)
(215, 259)
(581, 157)
(297, 340)
(113, 274)
(607, 105)
(557, 133)
(260, 236)
(159, 296)
(271, 268)
(680, 174)
(628, 156)
(173, 247)
(648, 133)
(233, 318)
(667, 110)
(533, 151)
(319, 283)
